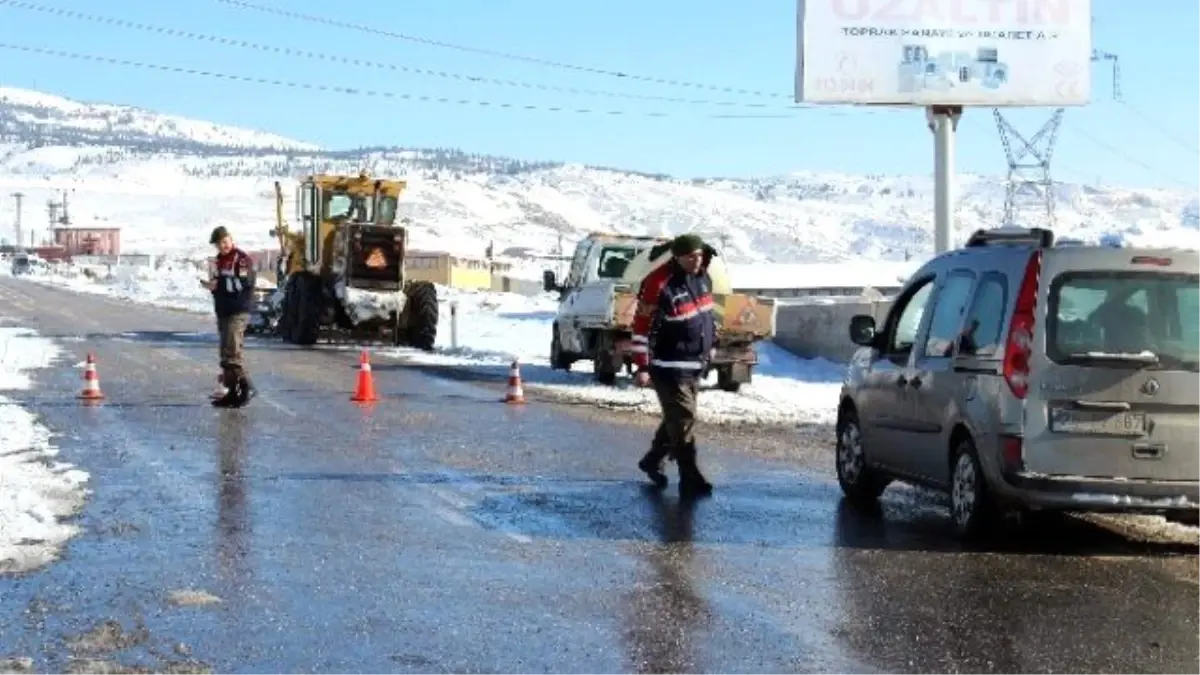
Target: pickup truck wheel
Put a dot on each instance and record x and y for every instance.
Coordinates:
(728, 379)
(727, 382)
(559, 360)
(602, 364)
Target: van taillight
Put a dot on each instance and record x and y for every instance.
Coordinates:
(1019, 347)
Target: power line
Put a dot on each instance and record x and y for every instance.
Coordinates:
(366, 92)
(308, 54)
(1128, 157)
(1161, 129)
(499, 54)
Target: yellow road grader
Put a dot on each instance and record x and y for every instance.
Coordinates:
(342, 274)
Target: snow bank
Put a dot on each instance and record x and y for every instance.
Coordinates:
(175, 286)
(36, 492)
(495, 328)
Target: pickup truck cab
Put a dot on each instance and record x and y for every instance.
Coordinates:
(598, 298)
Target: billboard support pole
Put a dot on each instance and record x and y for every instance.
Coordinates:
(943, 122)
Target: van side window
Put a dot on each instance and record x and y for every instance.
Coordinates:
(904, 330)
(980, 335)
(949, 306)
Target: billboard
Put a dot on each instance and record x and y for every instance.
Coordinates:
(944, 52)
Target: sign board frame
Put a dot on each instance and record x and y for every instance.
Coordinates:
(992, 53)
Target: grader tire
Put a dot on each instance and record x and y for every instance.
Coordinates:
(421, 315)
(306, 326)
(286, 328)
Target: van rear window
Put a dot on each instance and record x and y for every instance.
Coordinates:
(1138, 319)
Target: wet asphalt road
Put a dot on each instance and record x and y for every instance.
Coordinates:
(441, 530)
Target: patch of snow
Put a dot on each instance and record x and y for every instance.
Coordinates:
(364, 305)
(37, 493)
(176, 286)
(1149, 527)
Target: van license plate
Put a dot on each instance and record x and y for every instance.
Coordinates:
(1069, 421)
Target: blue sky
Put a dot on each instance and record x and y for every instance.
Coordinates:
(748, 45)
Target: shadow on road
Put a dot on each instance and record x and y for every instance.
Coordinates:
(1056, 534)
(666, 615)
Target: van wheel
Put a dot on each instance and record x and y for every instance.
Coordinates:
(861, 484)
(971, 507)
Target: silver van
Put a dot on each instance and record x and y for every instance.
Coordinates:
(1018, 373)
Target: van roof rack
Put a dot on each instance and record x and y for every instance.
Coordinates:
(1029, 236)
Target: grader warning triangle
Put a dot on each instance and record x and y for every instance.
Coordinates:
(376, 260)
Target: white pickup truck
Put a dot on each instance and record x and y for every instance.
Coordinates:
(599, 297)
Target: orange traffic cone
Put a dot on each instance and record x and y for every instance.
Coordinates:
(91, 381)
(515, 394)
(366, 381)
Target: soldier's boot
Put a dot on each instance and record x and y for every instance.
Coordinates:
(246, 392)
(652, 465)
(692, 483)
(233, 390)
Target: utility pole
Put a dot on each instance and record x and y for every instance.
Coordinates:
(66, 216)
(1032, 178)
(18, 196)
(1029, 179)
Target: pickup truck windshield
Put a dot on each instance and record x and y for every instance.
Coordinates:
(1125, 319)
(614, 260)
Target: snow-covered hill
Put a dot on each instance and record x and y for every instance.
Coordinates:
(45, 119)
(168, 180)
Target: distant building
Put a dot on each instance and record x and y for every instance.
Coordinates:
(54, 253)
(97, 241)
(452, 270)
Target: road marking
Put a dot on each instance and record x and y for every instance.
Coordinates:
(450, 498)
(452, 517)
(452, 509)
(460, 503)
(278, 406)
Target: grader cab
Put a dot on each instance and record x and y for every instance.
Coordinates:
(342, 272)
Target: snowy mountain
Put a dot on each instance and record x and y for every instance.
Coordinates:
(38, 120)
(168, 180)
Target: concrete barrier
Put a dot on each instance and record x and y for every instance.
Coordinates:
(820, 327)
(507, 284)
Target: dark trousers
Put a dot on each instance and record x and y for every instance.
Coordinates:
(232, 330)
(677, 392)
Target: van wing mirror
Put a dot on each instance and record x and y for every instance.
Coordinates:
(862, 330)
(549, 281)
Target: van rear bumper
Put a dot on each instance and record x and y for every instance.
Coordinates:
(1098, 494)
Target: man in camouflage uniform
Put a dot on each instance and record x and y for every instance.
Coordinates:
(674, 334)
(232, 282)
